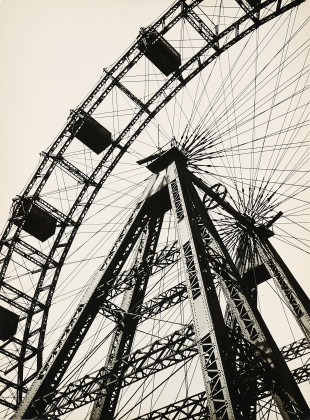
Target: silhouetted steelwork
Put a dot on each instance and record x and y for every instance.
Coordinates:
(62, 227)
(240, 363)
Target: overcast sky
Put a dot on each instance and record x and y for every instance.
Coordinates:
(52, 53)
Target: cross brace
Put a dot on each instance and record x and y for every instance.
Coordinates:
(175, 348)
(205, 261)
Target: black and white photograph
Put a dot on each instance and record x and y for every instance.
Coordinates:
(155, 210)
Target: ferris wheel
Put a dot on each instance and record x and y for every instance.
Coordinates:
(199, 127)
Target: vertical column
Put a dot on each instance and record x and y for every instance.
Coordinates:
(210, 330)
(277, 376)
(122, 340)
(45, 385)
(292, 293)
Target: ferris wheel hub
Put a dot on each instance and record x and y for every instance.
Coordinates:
(165, 159)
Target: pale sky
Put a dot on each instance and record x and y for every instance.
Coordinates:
(52, 53)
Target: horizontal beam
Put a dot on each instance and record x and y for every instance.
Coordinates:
(190, 407)
(294, 350)
(163, 353)
(195, 406)
(164, 301)
(164, 258)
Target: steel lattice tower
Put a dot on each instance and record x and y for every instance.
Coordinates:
(239, 360)
(174, 307)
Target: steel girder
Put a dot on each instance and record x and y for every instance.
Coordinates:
(204, 258)
(175, 348)
(104, 284)
(123, 336)
(54, 157)
(249, 320)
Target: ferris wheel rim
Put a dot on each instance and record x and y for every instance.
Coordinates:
(77, 223)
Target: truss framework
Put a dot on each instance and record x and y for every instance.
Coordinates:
(175, 348)
(239, 365)
(47, 267)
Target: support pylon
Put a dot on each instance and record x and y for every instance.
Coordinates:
(236, 363)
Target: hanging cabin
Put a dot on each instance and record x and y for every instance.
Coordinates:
(39, 223)
(92, 134)
(161, 54)
(8, 324)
